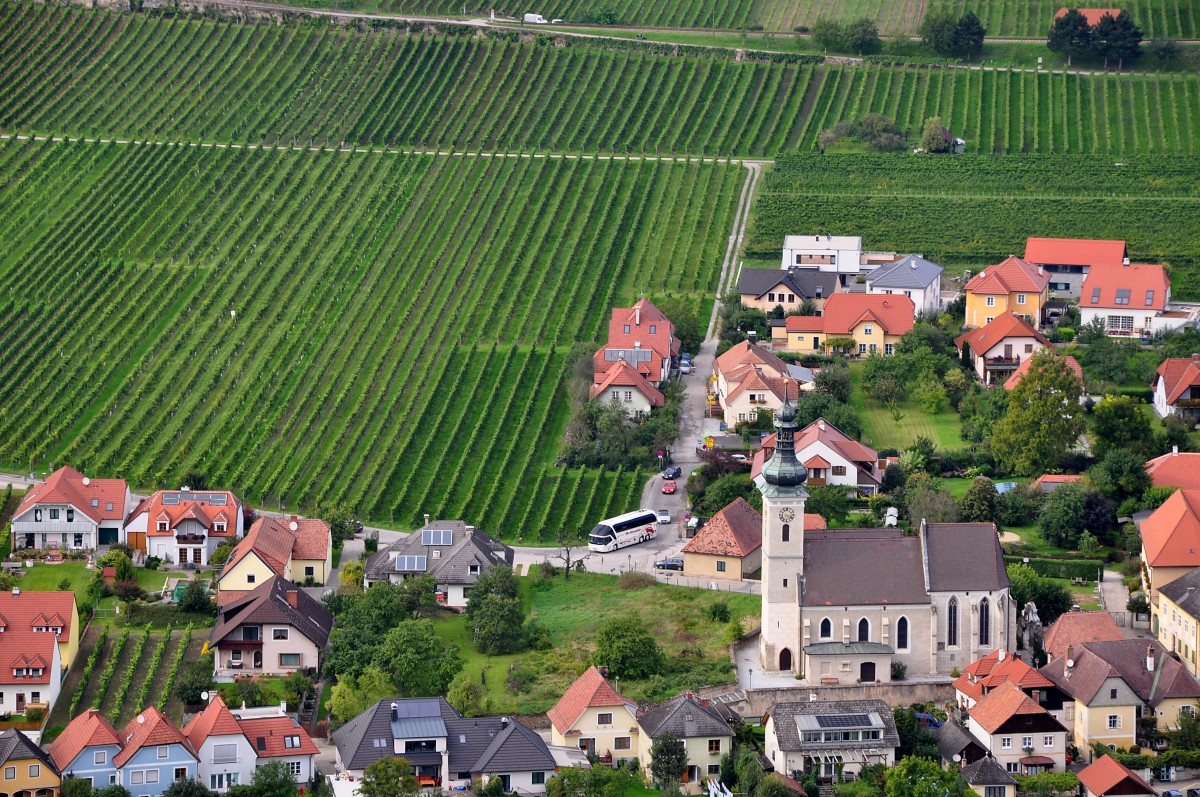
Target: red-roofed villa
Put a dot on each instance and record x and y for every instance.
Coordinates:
(729, 545)
(624, 385)
(1177, 469)
(1107, 777)
(591, 715)
(1131, 300)
(1177, 388)
(1068, 260)
(999, 349)
(71, 511)
(184, 526)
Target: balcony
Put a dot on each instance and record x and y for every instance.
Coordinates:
(190, 539)
(1002, 362)
(1188, 403)
(52, 527)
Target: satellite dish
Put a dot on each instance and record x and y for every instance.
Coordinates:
(204, 695)
(957, 758)
(293, 525)
(1070, 663)
(86, 481)
(141, 719)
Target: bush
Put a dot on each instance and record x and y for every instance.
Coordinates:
(635, 579)
(1061, 568)
(719, 612)
(35, 714)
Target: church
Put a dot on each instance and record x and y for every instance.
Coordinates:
(844, 606)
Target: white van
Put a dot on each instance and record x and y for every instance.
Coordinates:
(535, 19)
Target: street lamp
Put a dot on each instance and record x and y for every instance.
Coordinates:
(750, 683)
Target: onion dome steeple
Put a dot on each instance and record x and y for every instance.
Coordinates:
(783, 469)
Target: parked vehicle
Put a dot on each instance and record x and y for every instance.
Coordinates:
(669, 487)
(664, 516)
(685, 366)
(740, 457)
(536, 19)
(673, 472)
(627, 529)
(670, 563)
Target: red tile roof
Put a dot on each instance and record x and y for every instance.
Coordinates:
(1011, 275)
(1105, 774)
(276, 542)
(193, 505)
(1074, 251)
(214, 720)
(22, 647)
(758, 381)
(1137, 278)
(639, 319)
(845, 311)
(734, 531)
(1092, 15)
(1055, 478)
(92, 497)
(1006, 325)
(743, 357)
(1180, 469)
(1178, 374)
(148, 729)
(825, 432)
(273, 733)
(1001, 704)
(590, 690)
(625, 375)
(1023, 369)
(813, 521)
(1171, 535)
(983, 675)
(1074, 628)
(89, 729)
(804, 323)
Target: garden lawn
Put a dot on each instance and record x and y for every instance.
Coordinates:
(958, 486)
(881, 430)
(45, 578)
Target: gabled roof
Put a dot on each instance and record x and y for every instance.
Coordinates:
(1075, 628)
(1074, 251)
(148, 729)
(268, 736)
(1171, 535)
(1092, 15)
(734, 531)
(998, 667)
(590, 690)
(89, 729)
(788, 717)
(822, 431)
(207, 507)
(214, 720)
(276, 601)
(844, 311)
(1104, 775)
(953, 739)
(686, 717)
(276, 541)
(16, 746)
(911, 271)
(467, 547)
(1184, 592)
(1023, 369)
(639, 318)
(99, 499)
(1041, 483)
(1177, 375)
(1011, 275)
(757, 381)
(368, 737)
(625, 375)
(1096, 662)
(1002, 704)
(1146, 286)
(1177, 469)
(806, 283)
(1004, 326)
(986, 772)
(745, 356)
(514, 749)
(23, 648)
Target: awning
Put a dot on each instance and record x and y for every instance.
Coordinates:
(423, 759)
(1037, 761)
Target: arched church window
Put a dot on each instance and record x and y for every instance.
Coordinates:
(902, 633)
(985, 623)
(826, 628)
(787, 532)
(864, 630)
(952, 622)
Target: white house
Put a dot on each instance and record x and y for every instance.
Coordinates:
(830, 738)
(840, 254)
(275, 736)
(623, 384)
(1131, 300)
(833, 457)
(1177, 388)
(996, 351)
(913, 276)
(184, 526)
(225, 755)
(71, 511)
(1024, 738)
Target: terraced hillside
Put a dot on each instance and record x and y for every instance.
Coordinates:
(88, 73)
(382, 330)
(975, 210)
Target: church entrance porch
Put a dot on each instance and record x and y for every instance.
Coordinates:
(836, 663)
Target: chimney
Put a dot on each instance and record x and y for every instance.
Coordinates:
(752, 335)
(1041, 270)
(1174, 451)
(1149, 658)
(395, 712)
(637, 315)
(16, 592)
(293, 598)
(1196, 358)
(426, 518)
(1000, 655)
(470, 529)
(1124, 261)
(503, 722)
(821, 424)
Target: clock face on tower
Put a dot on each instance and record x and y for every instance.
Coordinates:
(787, 514)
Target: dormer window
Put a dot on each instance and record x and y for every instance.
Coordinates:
(291, 742)
(161, 525)
(108, 506)
(219, 528)
(36, 672)
(473, 570)
(1122, 296)
(1095, 296)
(437, 554)
(1149, 298)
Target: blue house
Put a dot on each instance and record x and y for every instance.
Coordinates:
(86, 749)
(154, 755)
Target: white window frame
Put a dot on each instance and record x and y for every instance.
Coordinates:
(1005, 742)
(1114, 722)
(991, 301)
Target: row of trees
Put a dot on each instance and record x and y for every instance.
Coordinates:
(1112, 38)
(860, 36)
(951, 35)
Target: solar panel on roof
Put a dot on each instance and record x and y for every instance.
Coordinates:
(218, 499)
(437, 537)
(170, 499)
(411, 563)
(843, 720)
(407, 709)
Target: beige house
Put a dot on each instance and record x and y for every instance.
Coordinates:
(297, 549)
(1023, 737)
(727, 546)
(592, 716)
(624, 385)
(830, 739)
(747, 379)
(767, 288)
(987, 778)
(276, 628)
(999, 349)
(702, 725)
(1170, 546)
(1178, 613)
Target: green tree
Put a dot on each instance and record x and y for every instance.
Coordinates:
(364, 620)
(969, 36)
(352, 695)
(415, 660)
(294, 686)
(1043, 419)
(341, 522)
(195, 598)
(834, 380)
(931, 503)
(981, 502)
(1120, 474)
(1088, 544)
(1061, 516)
(350, 577)
(113, 790)
(829, 34)
(497, 625)
(862, 36)
(194, 679)
(498, 582)
(628, 648)
(466, 695)
(938, 29)
(957, 385)
(1117, 38)
(829, 501)
(1118, 422)
(389, 777)
(1026, 586)
(934, 135)
(119, 560)
(187, 788)
(77, 787)
(893, 478)
(1070, 35)
(920, 777)
(930, 394)
(274, 779)
(668, 760)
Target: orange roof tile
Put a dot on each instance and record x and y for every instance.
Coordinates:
(192, 505)
(1074, 251)
(20, 645)
(813, 521)
(1093, 17)
(805, 323)
(1074, 628)
(276, 542)
(734, 531)
(1144, 282)
(625, 375)
(1177, 469)
(148, 729)
(1177, 374)
(640, 318)
(1055, 478)
(268, 737)
(1011, 275)
(1001, 704)
(758, 381)
(214, 720)
(89, 729)
(1004, 326)
(1023, 369)
(1105, 774)
(1171, 535)
(99, 499)
(983, 675)
(747, 355)
(590, 690)
(844, 311)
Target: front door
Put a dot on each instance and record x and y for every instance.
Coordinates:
(20, 703)
(196, 556)
(258, 659)
(866, 672)
(785, 659)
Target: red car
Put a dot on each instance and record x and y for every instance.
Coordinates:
(669, 487)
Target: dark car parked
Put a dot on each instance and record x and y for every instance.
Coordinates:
(673, 472)
(670, 563)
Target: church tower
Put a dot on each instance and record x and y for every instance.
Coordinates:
(781, 483)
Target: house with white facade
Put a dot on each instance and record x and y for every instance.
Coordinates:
(1068, 260)
(830, 739)
(999, 349)
(623, 385)
(1177, 388)
(749, 378)
(642, 336)
(839, 254)
(1131, 300)
(275, 736)
(833, 457)
(276, 628)
(184, 526)
(704, 727)
(1022, 736)
(71, 511)
(225, 756)
(913, 276)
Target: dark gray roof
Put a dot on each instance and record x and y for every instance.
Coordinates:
(965, 556)
(986, 772)
(848, 648)
(953, 738)
(803, 281)
(356, 741)
(467, 739)
(788, 734)
(1184, 592)
(911, 271)
(862, 567)
(515, 749)
(686, 717)
(16, 746)
(467, 547)
(270, 602)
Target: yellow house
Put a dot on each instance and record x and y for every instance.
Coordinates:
(296, 549)
(593, 716)
(54, 611)
(26, 768)
(1012, 285)
(1178, 607)
(727, 546)
(874, 322)
(702, 727)
(1169, 549)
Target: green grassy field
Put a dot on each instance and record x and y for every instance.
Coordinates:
(46, 578)
(882, 430)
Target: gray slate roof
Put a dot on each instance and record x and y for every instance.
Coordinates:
(515, 749)
(468, 547)
(269, 603)
(356, 740)
(467, 740)
(16, 746)
(1095, 662)
(911, 271)
(1185, 592)
(953, 738)
(848, 648)
(986, 772)
(686, 717)
(805, 282)
(788, 734)
(965, 556)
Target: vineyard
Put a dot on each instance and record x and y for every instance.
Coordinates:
(68, 70)
(379, 330)
(973, 210)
